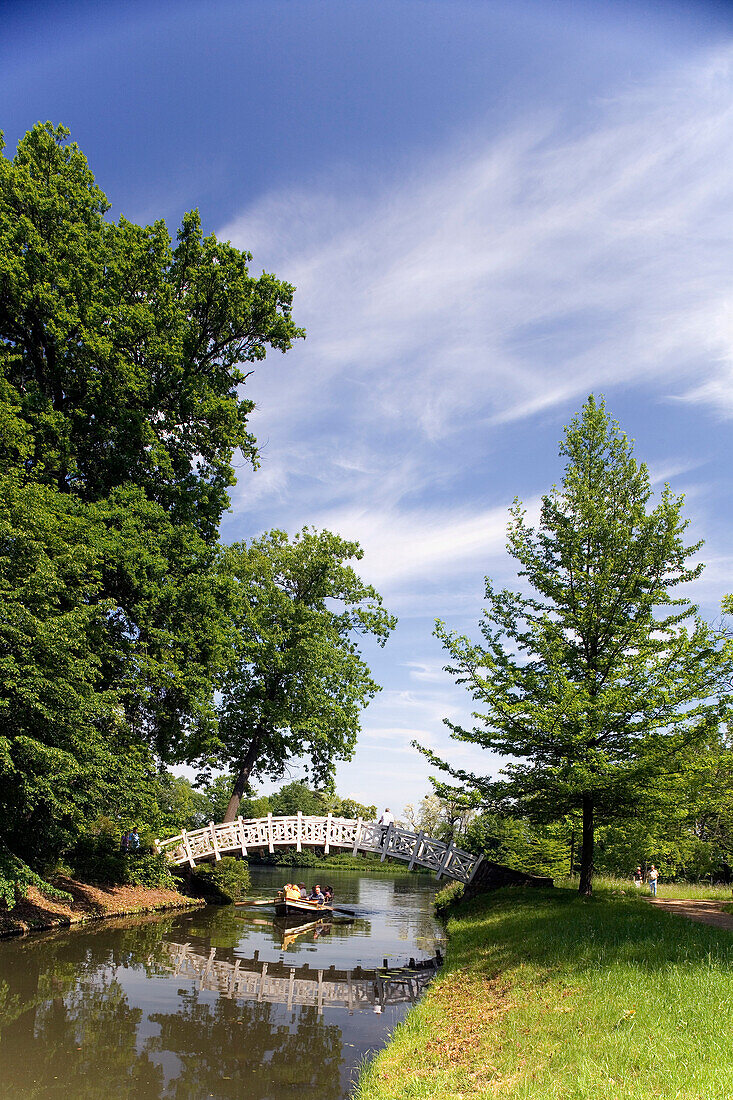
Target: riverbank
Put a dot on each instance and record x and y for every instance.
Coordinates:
(548, 995)
(36, 912)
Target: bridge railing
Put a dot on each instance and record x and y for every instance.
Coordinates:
(299, 831)
(275, 983)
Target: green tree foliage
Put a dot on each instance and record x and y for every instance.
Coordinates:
(229, 875)
(519, 843)
(446, 819)
(121, 368)
(298, 681)
(121, 353)
(596, 679)
(297, 797)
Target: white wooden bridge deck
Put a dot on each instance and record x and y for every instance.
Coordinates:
(300, 831)
(277, 983)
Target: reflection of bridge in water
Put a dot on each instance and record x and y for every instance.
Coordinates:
(278, 983)
(301, 831)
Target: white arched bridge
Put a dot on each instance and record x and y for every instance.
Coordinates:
(244, 835)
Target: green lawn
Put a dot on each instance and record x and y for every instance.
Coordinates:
(549, 995)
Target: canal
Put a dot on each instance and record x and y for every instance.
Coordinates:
(219, 1002)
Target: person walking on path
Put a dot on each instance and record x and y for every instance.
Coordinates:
(653, 876)
(638, 878)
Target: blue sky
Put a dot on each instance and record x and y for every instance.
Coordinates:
(490, 209)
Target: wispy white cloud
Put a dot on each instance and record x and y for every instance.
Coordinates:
(504, 279)
(421, 543)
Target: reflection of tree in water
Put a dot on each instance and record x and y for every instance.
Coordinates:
(228, 1049)
(66, 1027)
(84, 1046)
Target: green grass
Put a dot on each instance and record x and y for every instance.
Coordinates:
(603, 886)
(551, 996)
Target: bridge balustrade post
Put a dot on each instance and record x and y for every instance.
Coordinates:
(416, 850)
(240, 822)
(357, 837)
(269, 833)
(445, 861)
(299, 837)
(326, 846)
(214, 844)
(385, 841)
(474, 869)
(187, 848)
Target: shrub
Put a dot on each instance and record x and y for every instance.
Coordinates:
(229, 875)
(97, 857)
(16, 876)
(149, 869)
(448, 897)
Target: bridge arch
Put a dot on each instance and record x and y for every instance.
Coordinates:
(243, 835)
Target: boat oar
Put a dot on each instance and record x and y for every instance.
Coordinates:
(338, 909)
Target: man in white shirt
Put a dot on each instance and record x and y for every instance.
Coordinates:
(385, 821)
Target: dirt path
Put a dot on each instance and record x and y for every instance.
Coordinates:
(706, 912)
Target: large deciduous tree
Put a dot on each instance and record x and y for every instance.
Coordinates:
(595, 677)
(122, 360)
(298, 681)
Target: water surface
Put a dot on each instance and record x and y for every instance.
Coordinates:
(219, 1002)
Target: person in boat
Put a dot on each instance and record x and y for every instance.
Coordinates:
(316, 895)
(303, 891)
(291, 892)
(328, 894)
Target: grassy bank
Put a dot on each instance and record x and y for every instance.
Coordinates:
(37, 912)
(549, 995)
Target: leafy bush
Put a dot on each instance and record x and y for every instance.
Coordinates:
(296, 859)
(448, 897)
(98, 857)
(149, 869)
(229, 875)
(16, 876)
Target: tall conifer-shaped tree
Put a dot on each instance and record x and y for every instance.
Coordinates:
(594, 676)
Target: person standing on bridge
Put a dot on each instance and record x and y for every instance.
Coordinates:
(385, 821)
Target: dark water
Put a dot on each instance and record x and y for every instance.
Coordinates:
(219, 1002)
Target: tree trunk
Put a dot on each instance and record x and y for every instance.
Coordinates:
(586, 851)
(240, 783)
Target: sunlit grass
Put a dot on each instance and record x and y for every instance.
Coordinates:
(605, 885)
(549, 995)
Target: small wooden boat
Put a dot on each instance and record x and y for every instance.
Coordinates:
(289, 907)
